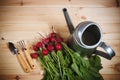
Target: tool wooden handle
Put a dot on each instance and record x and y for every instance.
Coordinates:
(23, 62)
(29, 58)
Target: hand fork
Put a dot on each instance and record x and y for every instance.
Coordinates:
(27, 55)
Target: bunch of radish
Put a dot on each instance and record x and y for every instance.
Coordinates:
(49, 44)
(62, 63)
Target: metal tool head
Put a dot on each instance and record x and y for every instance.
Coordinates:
(12, 48)
(22, 45)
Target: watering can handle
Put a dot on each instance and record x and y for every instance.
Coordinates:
(109, 51)
(69, 23)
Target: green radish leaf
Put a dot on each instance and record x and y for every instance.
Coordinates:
(56, 78)
(85, 74)
(80, 60)
(95, 62)
(53, 68)
(92, 60)
(86, 63)
(76, 69)
(53, 55)
(98, 64)
(88, 76)
(94, 72)
(69, 74)
(61, 58)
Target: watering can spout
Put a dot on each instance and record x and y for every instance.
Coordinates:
(69, 23)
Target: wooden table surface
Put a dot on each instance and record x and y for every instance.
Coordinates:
(23, 19)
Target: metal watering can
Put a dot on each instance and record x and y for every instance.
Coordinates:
(86, 38)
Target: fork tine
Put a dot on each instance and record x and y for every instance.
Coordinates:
(22, 44)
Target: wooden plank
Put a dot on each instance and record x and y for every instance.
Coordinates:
(111, 77)
(10, 3)
(108, 34)
(21, 77)
(40, 14)
(38, 77)
(107, 28)
(111, 66)
(68, 3)
(29, 31)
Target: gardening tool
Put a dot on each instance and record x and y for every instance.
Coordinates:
(27, 55)
(20, 57)
(86, 38)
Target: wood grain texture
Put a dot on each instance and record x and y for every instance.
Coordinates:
(21, 77)
(38, 77)
(58, 3)
(41, 14)
(23, 19)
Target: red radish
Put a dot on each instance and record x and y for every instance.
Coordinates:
(34, 55)
(46, 40)
(39, 44)
(58, 46)
(58, 39)
(52, 39)
(35, 48)
(53, 34)
(50, 47)
(45, 52)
